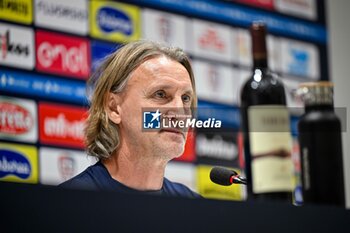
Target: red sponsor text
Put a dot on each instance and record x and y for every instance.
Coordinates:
(15, 119)
(62, 125)
(61, 54)
(211, 40)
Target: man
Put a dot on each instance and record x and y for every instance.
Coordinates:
(138, 75)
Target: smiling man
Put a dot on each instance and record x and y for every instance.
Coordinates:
(139, 75)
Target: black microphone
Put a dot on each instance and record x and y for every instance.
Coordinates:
(226, 177)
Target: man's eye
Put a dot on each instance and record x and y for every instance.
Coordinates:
(186, 98)
(160, 94)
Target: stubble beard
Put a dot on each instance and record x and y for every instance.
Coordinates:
(168, 150)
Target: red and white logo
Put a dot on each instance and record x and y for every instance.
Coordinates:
(66, 166)
(164, 27)
(58, 165)
(268, 4)
(67, 55)
(14, 119)
(217, 83)
(62, 125)
(18, 119)
(211, 40)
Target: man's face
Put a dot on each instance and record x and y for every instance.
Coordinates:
(158, 83)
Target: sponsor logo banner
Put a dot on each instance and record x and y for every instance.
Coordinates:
(212, 41)
(243, 16)
(244, 76)
(294, 101)
(20, 11)
(218, 147)
(208, 189)
(18, 163)
(300, 59)
(294, 120)
(61, 54)
(244, 42)
(301, 8)
(184, 173)
(244, 46)
(59, 165)
(64, 15)
(216, 82)
(268, 4)
(164, 27)
(42, 87)
(229, 116)
(296, 158)
(62, 125)
(274, 50)
(16, 46)
(115, 21)
(18, 119)
(99, 50)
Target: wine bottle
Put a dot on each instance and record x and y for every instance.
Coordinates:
(266, 128)
(320, 146)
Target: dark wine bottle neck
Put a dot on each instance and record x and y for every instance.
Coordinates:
(260, 63)
(259, 51)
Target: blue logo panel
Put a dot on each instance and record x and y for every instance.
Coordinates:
(114, 20)
(43, 86)
(294, 120)
(300, 62)
(228, 115)
(13, 163)
(100, 50)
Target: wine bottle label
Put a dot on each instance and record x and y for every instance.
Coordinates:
(270, 147)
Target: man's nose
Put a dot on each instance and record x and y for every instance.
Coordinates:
(177, 102)
(178, 107)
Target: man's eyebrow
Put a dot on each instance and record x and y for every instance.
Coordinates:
(189, 91)
(161, 86)
(167, 86)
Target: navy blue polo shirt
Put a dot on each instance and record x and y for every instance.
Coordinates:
(97, 177)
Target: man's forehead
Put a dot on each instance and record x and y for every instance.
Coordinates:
(160, 67)
(158, 63)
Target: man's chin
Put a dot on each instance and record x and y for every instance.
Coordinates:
(173, 135)
(173, 153)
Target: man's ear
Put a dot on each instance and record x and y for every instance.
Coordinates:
(113, 108)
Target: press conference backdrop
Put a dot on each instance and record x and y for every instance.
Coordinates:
(49, 48)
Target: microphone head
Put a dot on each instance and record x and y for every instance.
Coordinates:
(221, 176)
